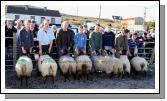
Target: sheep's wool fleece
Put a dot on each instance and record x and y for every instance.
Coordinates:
(24, 60)
(125, 62)
(65, 62)
(136, 63)
(44, 63)
(83, 59)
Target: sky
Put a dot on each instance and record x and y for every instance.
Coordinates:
(107, 11)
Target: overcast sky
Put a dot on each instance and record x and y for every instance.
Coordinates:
(107, 11)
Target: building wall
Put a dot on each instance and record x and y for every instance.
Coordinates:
(131, 24)
(37, 18)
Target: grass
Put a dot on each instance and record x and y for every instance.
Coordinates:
(79, 20)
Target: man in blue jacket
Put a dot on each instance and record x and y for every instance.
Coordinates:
(108, 40)
(80, 42)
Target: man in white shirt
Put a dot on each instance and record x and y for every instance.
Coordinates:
(45, 37)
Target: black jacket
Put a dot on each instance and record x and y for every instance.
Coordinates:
(26, 38)
(108, 39)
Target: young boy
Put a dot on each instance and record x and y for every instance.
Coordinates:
(80, 42)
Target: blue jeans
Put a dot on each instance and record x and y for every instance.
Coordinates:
(109, 48)
(92, 59)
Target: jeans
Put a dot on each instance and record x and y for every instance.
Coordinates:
(65, 51)
(80, 51)
(110, 49)
(92, 59)
(45, 49)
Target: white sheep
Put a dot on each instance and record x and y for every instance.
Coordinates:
(139, 63)
(104, 64)
(24, 68)
(47, 66)
(84, 65)
(118, 66)
(126, 64)
(67, 65)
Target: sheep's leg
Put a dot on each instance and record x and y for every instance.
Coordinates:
(78, 76)
(129, 74)
(53, 79)
(111, 75)
(90, 76)
(21, 81)
(74, 76)
(26, 81)
(46, 77)
(65, 77)
(145, 73)
(38, 73)
(120, 75)
(87, 76)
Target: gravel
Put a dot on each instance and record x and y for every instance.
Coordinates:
(100, 81)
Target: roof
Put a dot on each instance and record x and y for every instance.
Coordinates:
(32, 10)
(135, 18)
(117, 17)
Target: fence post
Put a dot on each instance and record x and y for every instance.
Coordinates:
(14, 49)
(152, 56)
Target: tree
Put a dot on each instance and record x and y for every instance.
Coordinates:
(151, 24)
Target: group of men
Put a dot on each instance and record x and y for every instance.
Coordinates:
(83, 42)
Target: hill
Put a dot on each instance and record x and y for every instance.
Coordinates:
(79, 20)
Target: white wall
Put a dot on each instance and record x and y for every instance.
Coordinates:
(37, 18)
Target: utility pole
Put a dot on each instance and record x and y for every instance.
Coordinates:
(99, 14)
(77, 12)
(144, 16)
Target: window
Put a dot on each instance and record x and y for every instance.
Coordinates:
(139, 22)
(32, 17)
(42, 19)
(53, 20)
(17, 17)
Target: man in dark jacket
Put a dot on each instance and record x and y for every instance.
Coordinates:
(87, 34)
(121, 44)
(108, 40)
(26, 38)
(64, 39)
(96, 40)
(9, 31)
(72, 36)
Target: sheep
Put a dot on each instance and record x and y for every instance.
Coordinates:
(126, 64)
(24, 68)
(118, 66)
(67, 65)
(84, 65)
(104, 64)
(139, 64)
(47, 67)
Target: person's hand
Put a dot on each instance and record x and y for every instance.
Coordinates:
(10, 26)
(24, 51)
(99, 51)
(76, 50)
(84, 51)
(140, 40)
(40, 51)
(105, 52)
(49, 49)
(113, 50)
(30, 50)
(61, 50)
(94, 52)
(130, 54)
(120, 52)
(127, 52)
